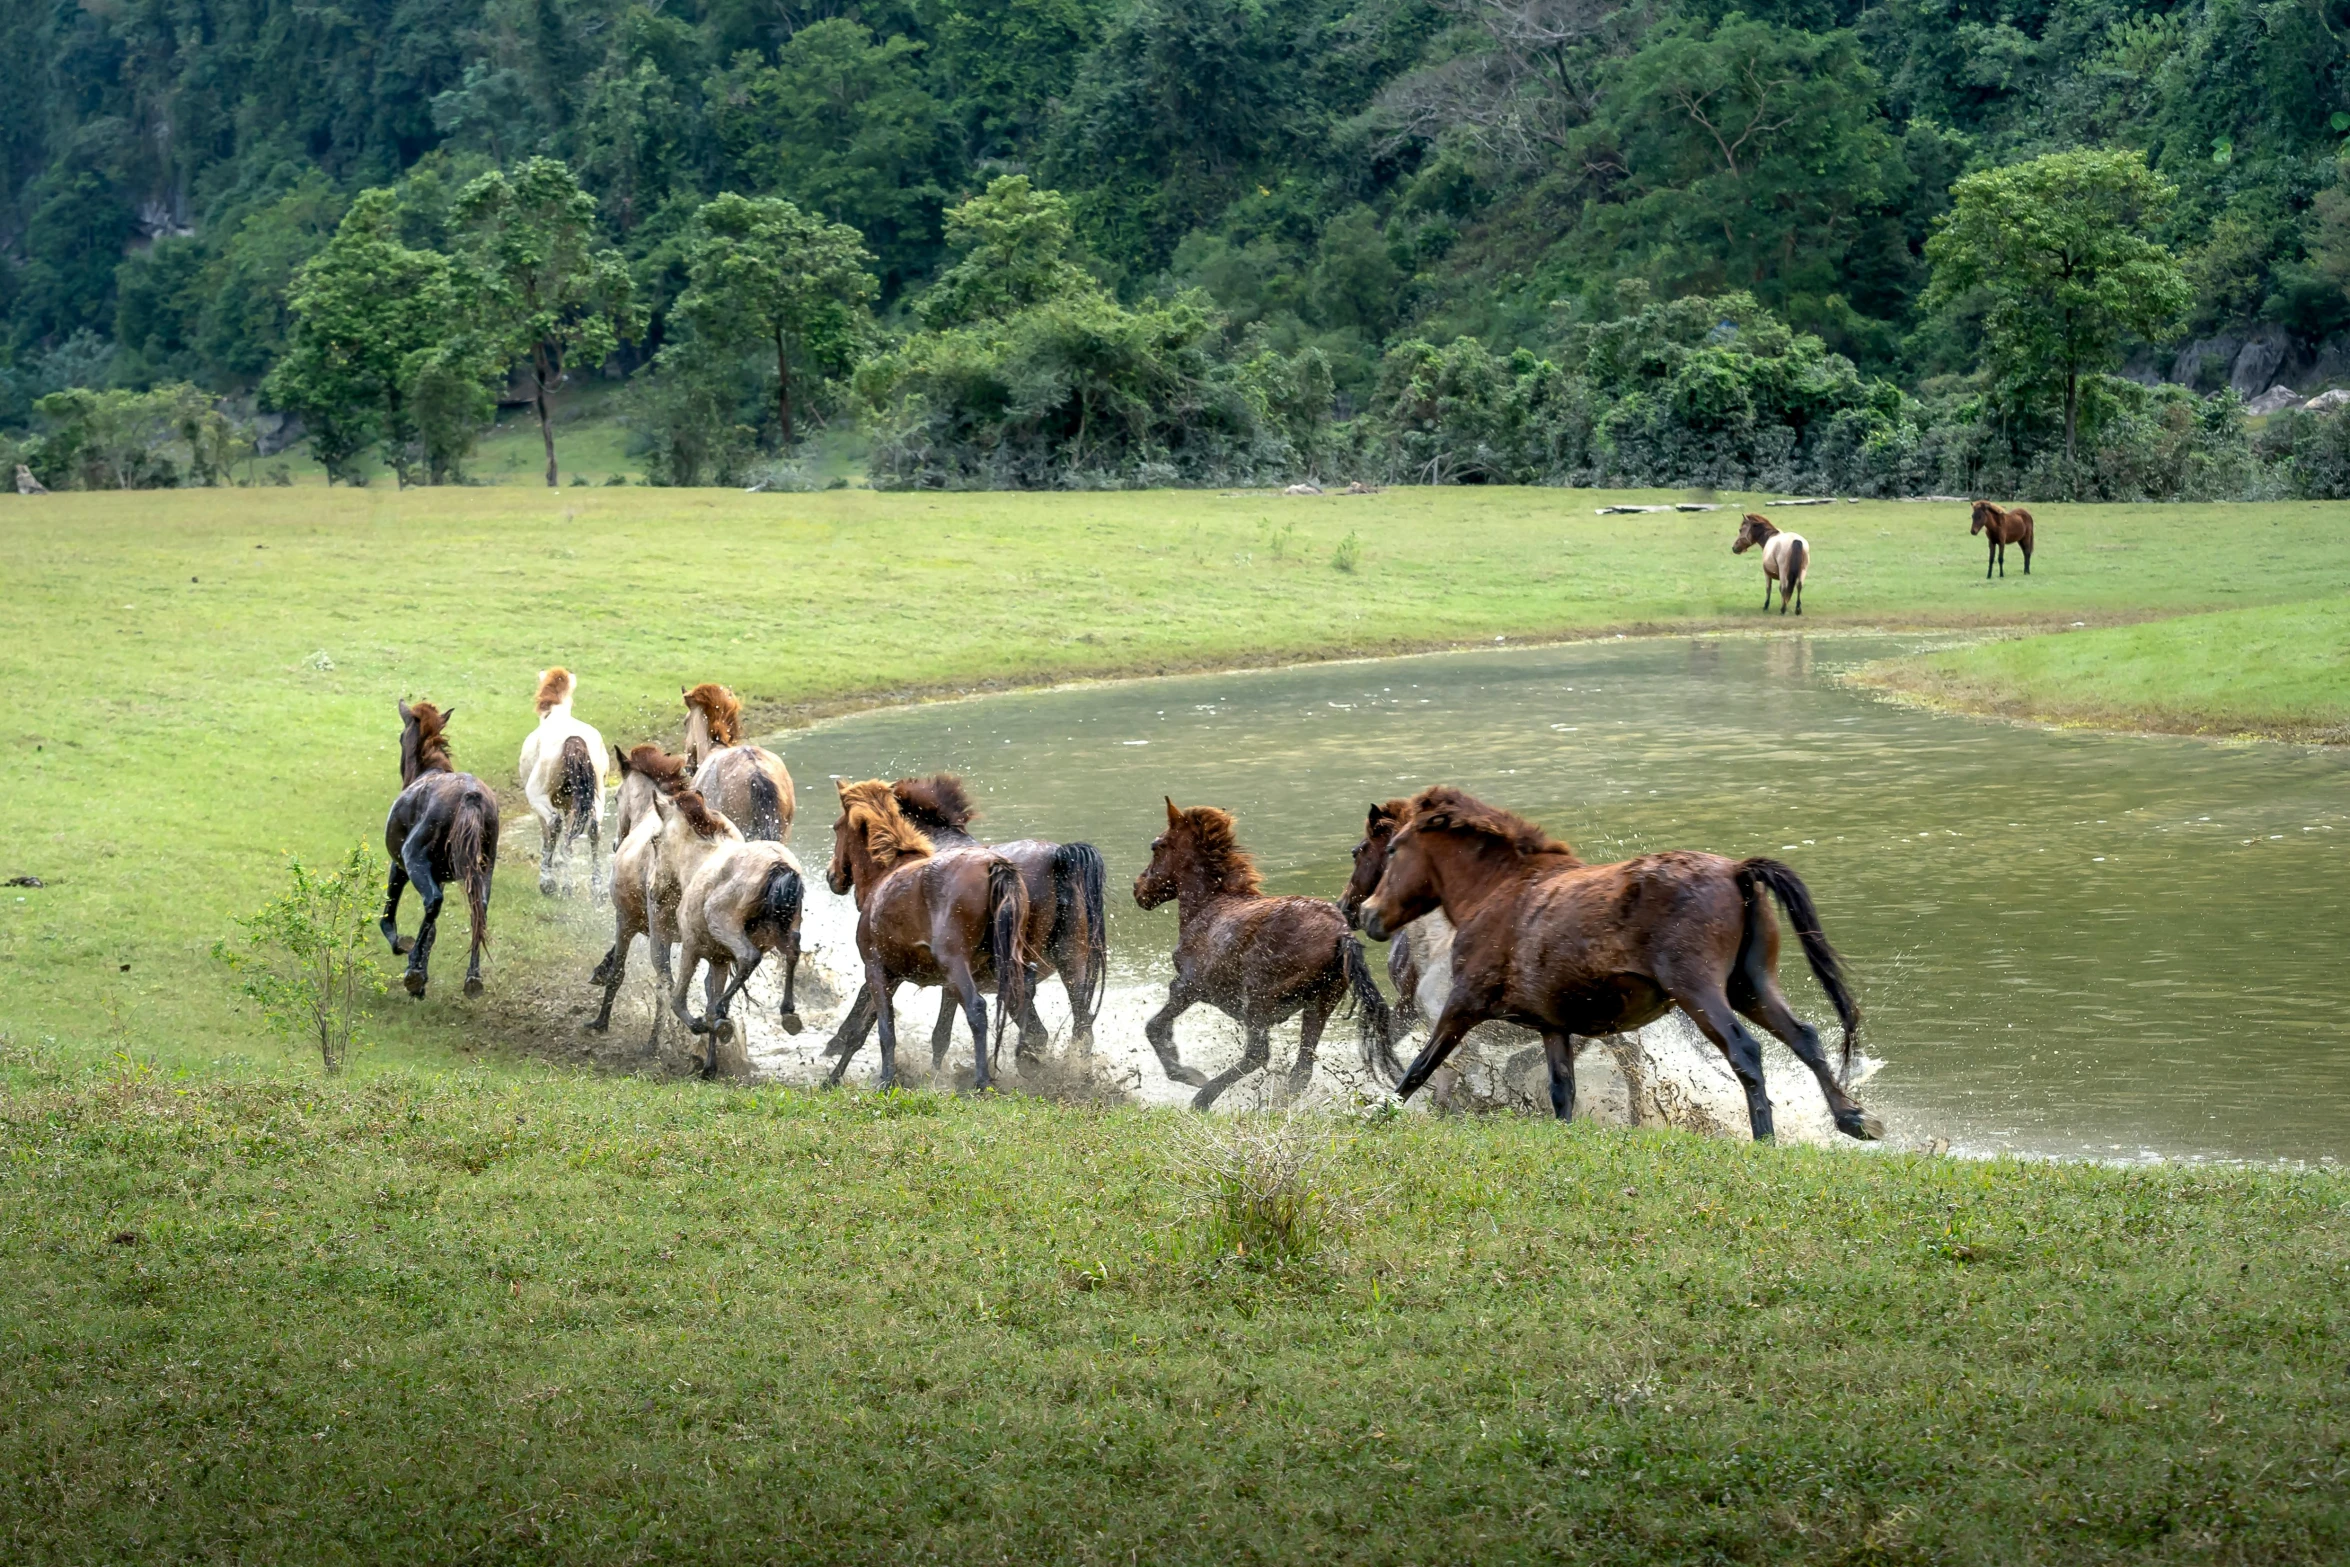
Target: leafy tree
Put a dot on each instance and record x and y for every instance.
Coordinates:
(1019, 248)
(2057, 253)
(545, 292)
(369, 312)
(765, 272)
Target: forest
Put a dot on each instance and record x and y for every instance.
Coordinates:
(2052, 249)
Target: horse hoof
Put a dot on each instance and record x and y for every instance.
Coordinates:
(414, 983)
(1862, 1125)
(473, 987)
(595, 1025)
(790, 1022)
(1189, 1077)
(403, 945)
(546, 888)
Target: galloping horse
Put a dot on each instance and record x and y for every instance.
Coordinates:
(442, 828)
(1786, 559)
(743, 903)
(1067, 924)
(2006, 525)
(1257, 959)
(1569, 949)
(562, 760)
(747, 783)
(646, 773)
(928, 918)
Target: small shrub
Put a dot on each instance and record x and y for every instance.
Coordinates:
(1349, 553)
(1260, 1182)
(306, 959)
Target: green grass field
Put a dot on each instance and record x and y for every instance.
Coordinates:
(467, 1303)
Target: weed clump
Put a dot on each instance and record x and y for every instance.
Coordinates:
(1261, 1182)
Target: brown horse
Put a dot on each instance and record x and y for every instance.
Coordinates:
(442, 828)
(1570, 949)
(1786, 559)
(1066, 920)
(1256, 959)
(748, 784)
(928, 918)
(2006, 525)
(645, 772)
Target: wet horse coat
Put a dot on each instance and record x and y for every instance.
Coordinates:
(747, 783)
(442, 828)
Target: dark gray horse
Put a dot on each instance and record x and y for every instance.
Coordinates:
(443, 828)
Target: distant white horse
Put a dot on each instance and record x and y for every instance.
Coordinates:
(1786, 559)
(563, 778)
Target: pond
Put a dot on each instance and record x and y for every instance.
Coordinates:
(2065, 943)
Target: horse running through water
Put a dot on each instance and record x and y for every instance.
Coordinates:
(743, 903)
(562, 767)
(2006, 525)
(646, 772)
(925, 917)
(1419, 956)
(748, 784)
(1786, 559)
(1067, 924)
(1256, 959)
(442, 828)
(1570, 949)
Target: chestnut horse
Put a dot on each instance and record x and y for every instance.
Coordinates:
(1570, 949)
(1786, 559)
(1066, 921)
(1256, 959)
(645, 772)
(748, 784)
(928, 918)
(2006, 525)
(442, 828)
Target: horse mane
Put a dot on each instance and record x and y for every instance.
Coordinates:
(721, 709)
(1216, 842)
(872, 810)
(705, 822)
(432, 743)
(1446, 809)
(666, 771)
(938, 803)
(554, 689)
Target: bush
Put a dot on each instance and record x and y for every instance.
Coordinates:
(307, 954)
(123, 440)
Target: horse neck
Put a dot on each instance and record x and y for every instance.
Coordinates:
(697, 738)
(1196, 891)
(866, 869)
(1466, 871)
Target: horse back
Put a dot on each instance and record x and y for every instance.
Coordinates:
(1590, 936)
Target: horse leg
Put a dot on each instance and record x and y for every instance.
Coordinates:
(390, 923)
(1710, 1010)
(1403, 970)
(942, 1032)
(787, 1013)
(2026, 547)
(849, 1037)
(1760, 999)
(1798, 596)
(963, 985)
(1559, 1050)
(679, 983)
(885, 1019)
(1255, 1052)
(1070, 965)
(1160, 1031)
(1034, 1036)
(609, 974)
(1629, 1062)
(1459, 1016)
(550, 834)
(1310, 1024)
(416, 855)
(1766, 592)
(595, 836)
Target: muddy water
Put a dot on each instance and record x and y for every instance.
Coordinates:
(2066, 943)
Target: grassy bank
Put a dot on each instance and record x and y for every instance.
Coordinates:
(201, 680)
(577, 1320)
(2276, 672)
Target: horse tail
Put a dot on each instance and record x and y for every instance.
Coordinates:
(1798, 558)
(1374, 1020)
(469, 860)
(766, 805)
(1078, 878)
(1007, 920)
(1826, 966)
(780, 898)
(578, 791)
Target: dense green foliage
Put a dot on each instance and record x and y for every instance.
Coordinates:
(1350, 180)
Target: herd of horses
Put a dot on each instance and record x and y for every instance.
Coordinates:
(1530, 935)
(1786, 557)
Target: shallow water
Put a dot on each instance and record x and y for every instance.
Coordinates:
(2065, 943)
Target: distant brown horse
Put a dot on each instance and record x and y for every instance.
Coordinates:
(1256, 959)
(1786, 559)
(1067, 924)
(748, 784)
(1570, 949)
(928, 918)
(645, 772)
(2006, 525)
(442, 828)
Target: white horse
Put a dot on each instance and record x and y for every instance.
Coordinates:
(563, 778)
(1786, 559)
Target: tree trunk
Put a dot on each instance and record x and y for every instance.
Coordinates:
(2072, 408)
(538, 386)
(783, 392)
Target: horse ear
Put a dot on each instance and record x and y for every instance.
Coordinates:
(620, 760)
(661, 806)
(1377, 814)
(840, 787)
(1174, 816)
(406, 712)
(447, 713)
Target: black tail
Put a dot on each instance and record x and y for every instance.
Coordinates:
(578, 791)
(1798, 558)
(1826, 966)
(473, 838)
(1007, 917)
(1373, 1020)
(779, 900)
(1078, 878)
(766, 805)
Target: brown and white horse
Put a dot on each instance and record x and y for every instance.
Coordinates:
(2006, 525)
(562, 778)
(747, 783)
(743, 903)
(646, 773)
(1786, 559)
(442, 828)
(1574, 950)
(1259, 960)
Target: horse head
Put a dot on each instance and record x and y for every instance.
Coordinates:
(1379, 829)
(554, 690)
(424, 747)
(1408, 887)
(1755, 529)
(1200, 853)
(871, 836)
(1986, 515)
